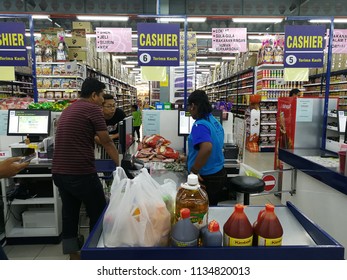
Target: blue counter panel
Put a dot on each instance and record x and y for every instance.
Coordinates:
(328, 176)
(321, 245)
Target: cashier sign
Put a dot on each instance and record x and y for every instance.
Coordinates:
(304, 46)
(158, 44)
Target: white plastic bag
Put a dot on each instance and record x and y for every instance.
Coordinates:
(136, 215)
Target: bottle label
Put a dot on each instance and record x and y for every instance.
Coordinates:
(269, 241)
(177, 243)
(199, 219)
(230, 241)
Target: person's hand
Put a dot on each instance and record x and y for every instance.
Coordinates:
(11, 166)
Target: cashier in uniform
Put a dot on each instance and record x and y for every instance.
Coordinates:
(205, 148)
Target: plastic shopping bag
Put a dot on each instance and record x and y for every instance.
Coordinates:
(136, 215)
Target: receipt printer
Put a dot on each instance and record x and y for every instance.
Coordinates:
(231, 151)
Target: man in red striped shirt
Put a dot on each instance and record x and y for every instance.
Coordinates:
(73, 166)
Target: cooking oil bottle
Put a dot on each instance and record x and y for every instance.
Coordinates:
(191, 196)
(238, 231)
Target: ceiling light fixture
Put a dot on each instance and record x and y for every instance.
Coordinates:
(228, 58)
(36, 34)
(201, 57)
(207, 62)
(258, 20)
(181, 19)
(40, 16)
(203, 36)
(120, 57)
(319, 21)
(103, 18)
(131, 62)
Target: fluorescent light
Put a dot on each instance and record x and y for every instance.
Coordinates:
(57, 24)
(134, 36)
(258, 20)
(120, 56)
(128, 66)
(319, 21)
(336, 20)
(36, 34)
(90, 35)
(134, 49)
(131, 62)
(228, 58)
(28, 47)
(179, 19)
(201, 57)
(40, 16)
(203, 36)
(207, 62)
(103, 18)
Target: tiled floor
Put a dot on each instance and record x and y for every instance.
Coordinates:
(259, 161)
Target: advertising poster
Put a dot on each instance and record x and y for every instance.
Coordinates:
(113, 40)
(304, 46)
(192, 46)
(13, 50)
(158, 44)
(285, 127)
(339, 41)
(229, 40)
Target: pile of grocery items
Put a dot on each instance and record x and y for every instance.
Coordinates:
(156, 148)
(143, 213)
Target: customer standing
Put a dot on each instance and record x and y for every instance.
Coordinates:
(205, 148)
(137, 121)
(73, 167)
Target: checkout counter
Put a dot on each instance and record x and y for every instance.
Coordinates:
(302, 239)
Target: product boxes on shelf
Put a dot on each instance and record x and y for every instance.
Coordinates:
(83, 25)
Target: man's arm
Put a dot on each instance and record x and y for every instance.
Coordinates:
(108, 145)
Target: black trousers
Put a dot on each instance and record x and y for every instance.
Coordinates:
(137, 130)
(75, 190)
(216, 186)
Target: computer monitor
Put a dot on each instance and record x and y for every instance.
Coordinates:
(185, 121)
(35, 124)
(125, 135)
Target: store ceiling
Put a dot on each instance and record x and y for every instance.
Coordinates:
(219, 13)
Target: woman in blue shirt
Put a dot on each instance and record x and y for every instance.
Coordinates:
(205, 148)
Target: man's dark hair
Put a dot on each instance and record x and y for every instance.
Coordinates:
(108, 96)
(91, 85)
(294, 91)
(135, 107)
(200, 99)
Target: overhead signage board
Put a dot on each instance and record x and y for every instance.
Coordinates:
(113, 40)
(158, 44)
(304, 46)
(229, 40)
(13, 50)
(339, 41)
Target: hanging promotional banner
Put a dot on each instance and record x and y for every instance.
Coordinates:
(158, 44)
(192, 46)
(304, 46)
(229, 40)
(339, 41)
(13, 50)
(113, 39)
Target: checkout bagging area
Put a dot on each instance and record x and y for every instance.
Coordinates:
(302, 238)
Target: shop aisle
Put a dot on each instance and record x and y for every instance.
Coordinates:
(259, 161)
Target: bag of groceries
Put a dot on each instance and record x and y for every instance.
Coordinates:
(137, 215)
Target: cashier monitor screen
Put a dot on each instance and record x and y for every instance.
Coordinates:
(23, 122)
(185, 121)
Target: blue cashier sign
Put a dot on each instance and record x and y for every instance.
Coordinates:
(304, 46)
(158, 44)
(13, 50)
